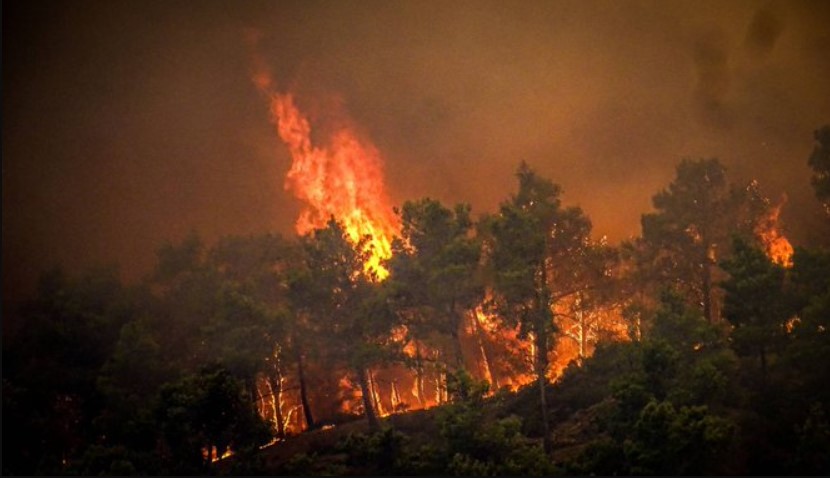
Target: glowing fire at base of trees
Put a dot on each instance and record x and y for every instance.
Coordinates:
(340, 177)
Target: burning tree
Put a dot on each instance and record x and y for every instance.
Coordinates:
(538, 260)
(435, 269)
(690, 232)
(348, 310)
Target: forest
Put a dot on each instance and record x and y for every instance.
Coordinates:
(508, 343)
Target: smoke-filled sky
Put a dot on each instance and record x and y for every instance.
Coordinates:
(126, 124)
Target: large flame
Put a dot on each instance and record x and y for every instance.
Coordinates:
(776, 245)
(342, 178)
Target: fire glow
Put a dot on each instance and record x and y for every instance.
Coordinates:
(776, 245)
(341, 176)
(342, 179)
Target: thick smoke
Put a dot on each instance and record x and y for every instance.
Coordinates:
(711, 61)
(126, 124)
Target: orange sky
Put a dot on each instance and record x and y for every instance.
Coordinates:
(127, 124)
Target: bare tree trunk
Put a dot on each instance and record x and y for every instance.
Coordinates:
(309, 419)
(394, 396)
(250, 383)
(375, 389)
(456, 338)
(276, 390)
(488, 372)
(368, 408)
(541, 379)
(586, 333)
(459, 357)
(419, 376)
(707, 289)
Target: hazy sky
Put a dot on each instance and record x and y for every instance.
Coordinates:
(126, 124)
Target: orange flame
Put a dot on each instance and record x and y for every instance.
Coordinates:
(342, 179)
(776, 245)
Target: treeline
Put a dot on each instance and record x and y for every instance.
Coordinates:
(722, 367)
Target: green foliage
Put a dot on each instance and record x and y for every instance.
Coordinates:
(104, 379)
(383, 450)
(202, 411)
(812, 452)
(301, 464)
(348, 313)
(477, 446)
(683, 240)
(659, 439)
(755, 303)
(680, 325)
(693, 216)
(435, 270)
(462, 387)
(681, 441)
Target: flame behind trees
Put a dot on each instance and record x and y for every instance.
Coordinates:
(437, 260)
(274, 310)
(686, 238)
(436, 269)
(538, 255)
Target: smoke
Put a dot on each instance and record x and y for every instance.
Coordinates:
(126, 124)
(763, 32)
(711, 61)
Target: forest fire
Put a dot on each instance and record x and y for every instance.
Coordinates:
(338, 175)
(776, 245)
(376, 239)
(342, 179)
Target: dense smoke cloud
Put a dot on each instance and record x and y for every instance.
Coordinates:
(127, 124)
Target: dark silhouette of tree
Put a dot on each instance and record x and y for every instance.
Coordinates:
(434, 268)
(50, 369)
(537, 259)
(755, 302)
(349, 311)
(683, 242)
(203, 412)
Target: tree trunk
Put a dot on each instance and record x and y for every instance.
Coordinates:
(395, 397)
(419, 376)
(250, 382)
(375, 393)
(456, 338)
(541, 379)
(581, 335)
(309, 419)
(489, 373)
(707, 290)
(459, 357)
(368, 408)
(276, 390)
